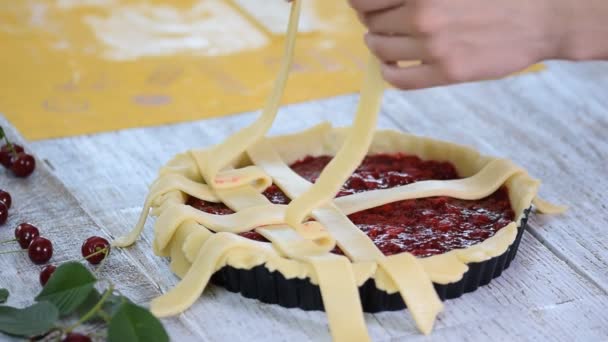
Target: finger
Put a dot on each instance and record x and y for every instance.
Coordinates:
(395, 48)
(393, 21)
(414, 77)
(361, 18)
(374, 5)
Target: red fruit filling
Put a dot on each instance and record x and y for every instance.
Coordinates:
(423, 227)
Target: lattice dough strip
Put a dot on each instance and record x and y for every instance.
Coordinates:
(226, 152)
(347, 159)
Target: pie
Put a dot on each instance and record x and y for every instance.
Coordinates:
(340, 219)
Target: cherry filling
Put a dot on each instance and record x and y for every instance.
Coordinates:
(423, 227)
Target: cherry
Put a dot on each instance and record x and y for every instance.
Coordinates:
(76, 337)
(3, 212)
(23, 164)
(46, 273)
(95, 244)
(6, 154)
(19, 228)
(40, 250)
(5, 198)
(25, 233)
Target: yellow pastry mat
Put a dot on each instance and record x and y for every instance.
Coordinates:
(71, 67)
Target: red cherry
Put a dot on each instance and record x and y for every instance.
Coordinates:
(76, 337)
(92, 245)
(23, 165)
(40, 250)
(25, 233)
(5, 198)
(3, 213)
(18, 229)
(46, 273)
(6, 154)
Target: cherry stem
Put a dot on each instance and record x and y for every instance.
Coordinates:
(10, 252)
(8, 143)
(95, 309)
(103, 261)
(103, 250)
(7, 241)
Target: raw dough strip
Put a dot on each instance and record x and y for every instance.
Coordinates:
(416, 288)
(165, 184)
(482, 184)
(547, 207)
(289, 244)
(190, 288)
(180, 265)
(242, 221)
(226, 152)
(175, 181)
(349, 156)
(250, 175)
(340, 298)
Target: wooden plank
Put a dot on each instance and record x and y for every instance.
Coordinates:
(117, 167)
(554, 124)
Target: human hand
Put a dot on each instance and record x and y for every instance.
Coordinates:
(458, 40)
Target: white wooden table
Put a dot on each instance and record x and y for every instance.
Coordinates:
(554, 123)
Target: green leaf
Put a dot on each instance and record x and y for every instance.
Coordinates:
(68, 288)
(3, 295)
(31, 321)
(134, 323)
